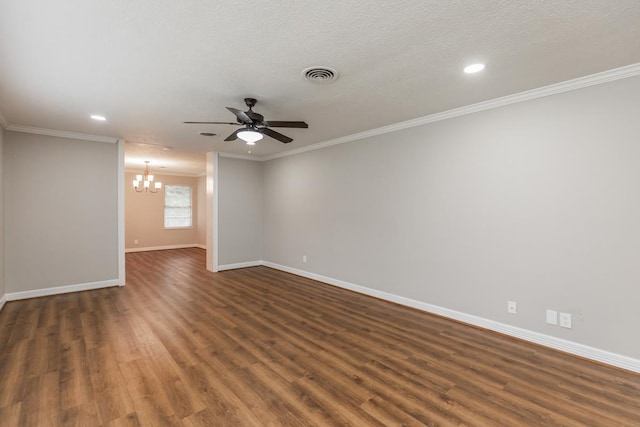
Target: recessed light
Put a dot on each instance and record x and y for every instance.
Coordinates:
(167, 148)
(473, 68)
(97, 117)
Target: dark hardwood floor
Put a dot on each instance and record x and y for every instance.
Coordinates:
(180, 346)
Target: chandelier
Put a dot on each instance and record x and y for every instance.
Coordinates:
(146, 179)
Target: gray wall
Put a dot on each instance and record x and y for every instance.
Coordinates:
(61, 223)
(537, 202)
(2, 249)
(240, 211)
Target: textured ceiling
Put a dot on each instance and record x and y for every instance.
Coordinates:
(149, 65)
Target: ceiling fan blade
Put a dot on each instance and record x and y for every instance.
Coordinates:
(275, 124)
(241, 115)
(233, 136)
(276, 135)
(256, 117)
(209, 123)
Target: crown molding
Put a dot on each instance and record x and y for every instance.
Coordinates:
(62, 133)
(554, 89)
(155, 172)
(628, 71)
(242, 157)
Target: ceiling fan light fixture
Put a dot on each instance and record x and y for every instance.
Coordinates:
(249, 136)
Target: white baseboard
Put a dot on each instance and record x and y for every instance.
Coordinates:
(163, 248)
(240, 265)
(566, 346)
(61, 290)
(571, 347)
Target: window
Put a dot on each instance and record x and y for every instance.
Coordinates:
(177, 206)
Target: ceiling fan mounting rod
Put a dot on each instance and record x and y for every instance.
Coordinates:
(250, 102)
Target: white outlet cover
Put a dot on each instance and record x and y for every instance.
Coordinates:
(565, 320)
(552, 317)
(512, 307)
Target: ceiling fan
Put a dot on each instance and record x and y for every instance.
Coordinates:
(254, 125)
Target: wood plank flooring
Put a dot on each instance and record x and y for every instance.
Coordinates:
(180, 346)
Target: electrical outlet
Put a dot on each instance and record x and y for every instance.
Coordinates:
(135, 242)
(565, 320)
(304, 259)
(552, 317)
(512, 307)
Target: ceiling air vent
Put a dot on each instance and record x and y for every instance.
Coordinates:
(320, 74)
